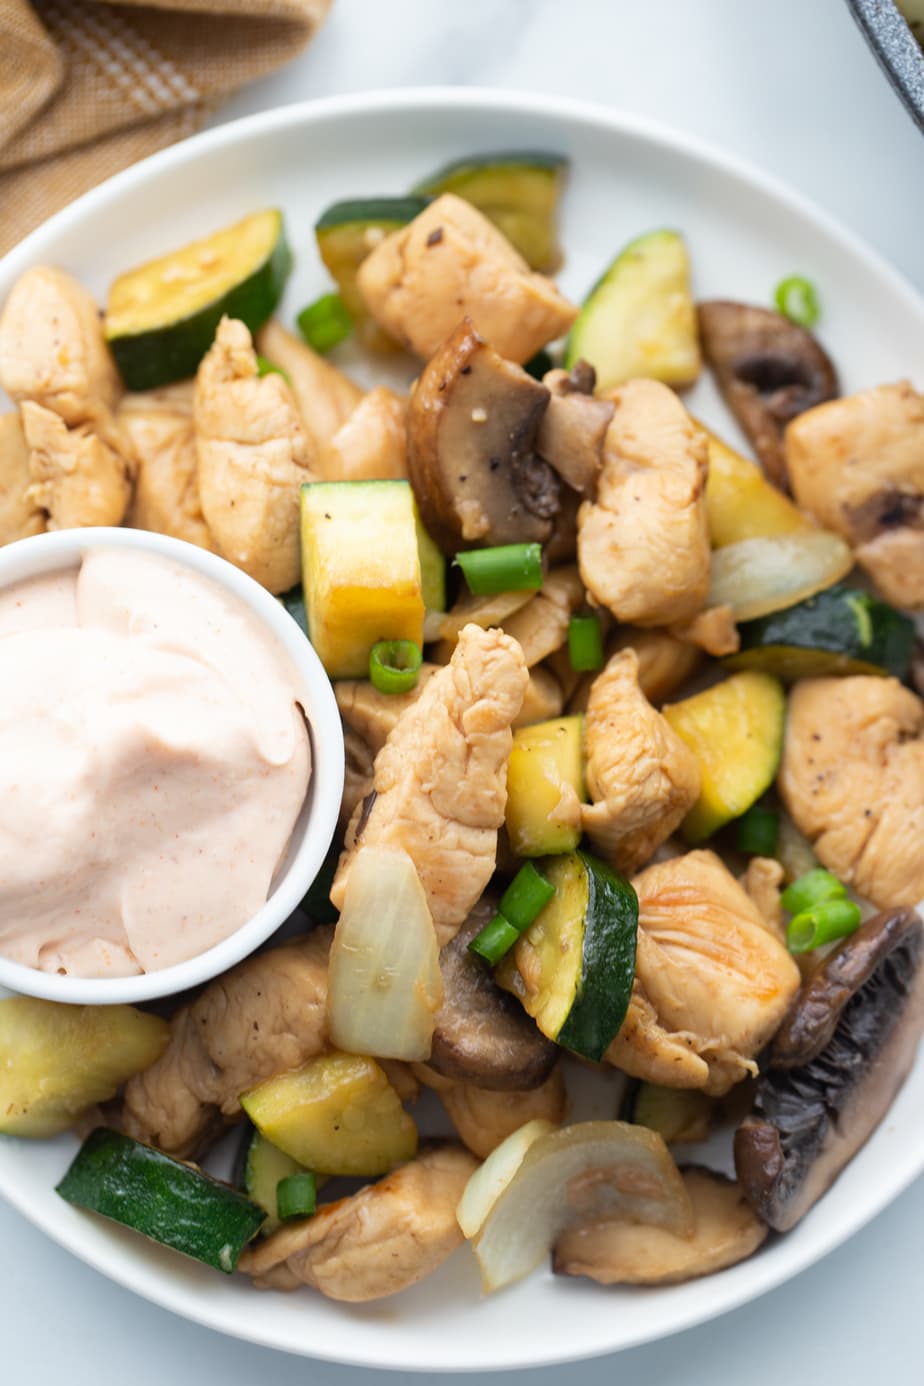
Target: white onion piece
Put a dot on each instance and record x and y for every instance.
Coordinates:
(490, 1179)
(757, 576)
(384, 982)
(595, 1169)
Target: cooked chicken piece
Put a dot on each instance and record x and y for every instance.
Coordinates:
(857, 465)
(641, 777)
(451, 262)
(713, 631)
(77, 478)
(764, 882)
(664, 665)
(543, 698)
(253, 458)
(373, 715)
(712, 983)
(52, 348)
(267, 1015)
(852, 778)
(20, 516)
(325, 397)
(441, 777)
(483, 1118)
(376, 1243)
(643, 545)
(372, 444)
(401, 1076)
(541, 627)
(357, 776)
(159, 428)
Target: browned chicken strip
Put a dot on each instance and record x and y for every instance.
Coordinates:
(372, 444)
(483, 1117)
(374, 715)
(77, 478)
(158, 426)
(324, 396)
(20, 514)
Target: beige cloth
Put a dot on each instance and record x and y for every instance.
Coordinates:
(87, 88)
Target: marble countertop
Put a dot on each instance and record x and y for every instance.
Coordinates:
(791, 86)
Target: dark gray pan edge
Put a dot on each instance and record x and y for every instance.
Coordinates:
(899, 54)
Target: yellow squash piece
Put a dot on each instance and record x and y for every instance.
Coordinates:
(545, 788)
(741, 503)
(337, 1114)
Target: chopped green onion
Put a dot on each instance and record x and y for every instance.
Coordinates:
(585, 643)
(267, 367)
(325, 322)
(494, 940)
(526, 896)
(394, 665)
(507, 568)
(758, 830)
(813, 888)
(538, 365)
(296, 1196)
(797, 299)
(823, 923)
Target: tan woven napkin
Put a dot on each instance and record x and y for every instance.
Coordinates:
(88, 86)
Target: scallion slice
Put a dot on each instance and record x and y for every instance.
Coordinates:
(296, 1196)
(821, 924)
(585, 643)
(496, 938)
(757, 832)
(507, 568)
(267, 367)
(394, 665)
(813, 888)
(797, 299)
(526, 897)
(325, 323)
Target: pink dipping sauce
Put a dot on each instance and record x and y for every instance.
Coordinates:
(153, 762)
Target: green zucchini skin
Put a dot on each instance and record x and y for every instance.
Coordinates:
(542, 159)
(147, 360)
(844, 630)
(163, 1199)
(605, 987)
(374, 211)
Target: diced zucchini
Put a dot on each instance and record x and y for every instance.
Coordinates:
(432, 568)
(360, 570)
(844, 630)
(518, 192)
(639, 319)
(56, 1061)
(677, 1114)
(161, 317)
(165, 1200)
(741, 503)
(578, 956)
(346, 233)
(338, 1114)
(263, 1167)
(545, 788)
(735, 730)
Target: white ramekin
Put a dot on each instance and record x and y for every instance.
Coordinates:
(314, 828)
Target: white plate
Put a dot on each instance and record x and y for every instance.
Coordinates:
(745, 233)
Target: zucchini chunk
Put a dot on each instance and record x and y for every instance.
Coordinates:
(639, 318)
(161, 318)
(844, 630)
(545, 788)
(579, 956)
(677, 1114)
(519, 192)
(735, 730)
(741, 503)
(263, 1167)
(345, 234)
(164, 1199)
(361, 572)
(56, 1061)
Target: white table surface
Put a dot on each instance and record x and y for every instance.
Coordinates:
(790, 85)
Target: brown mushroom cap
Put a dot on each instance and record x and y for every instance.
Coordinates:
(841, 1056)
(482, 1035)
(471, 439)
(572, 430)
(768, 370)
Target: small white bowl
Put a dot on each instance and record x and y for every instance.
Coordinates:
(314, 827)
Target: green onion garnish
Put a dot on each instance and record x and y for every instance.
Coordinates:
(296, 1196)
(507, 568)
(494, 940)
(394, 665)
(267, 367)
(758, 830)
(813, 888)
(325, 322)
(526, 897)
(797, 299)
(585, 643)
(823, 923)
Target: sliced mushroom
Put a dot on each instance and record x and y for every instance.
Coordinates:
(471, 448)
(629, 1253)
(768, 370)
(482, 1035)
(571, 434)
(834, 1068)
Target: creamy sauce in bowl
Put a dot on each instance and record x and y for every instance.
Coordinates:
(153, 762)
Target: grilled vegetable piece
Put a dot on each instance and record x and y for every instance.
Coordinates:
(161, 317)
(264, 1166)
(844, 630)
(360, 570)
(163, 1199)
(338, 1114)
(639, 319)
(741, 503)
(677, 1114)
(573, 968)
(56, 1061)
(491, 1179)
(346, 233)
(735, 730)
(518, 192)
(545, 788)
(754, 577)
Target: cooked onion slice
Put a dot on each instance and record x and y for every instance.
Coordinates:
(491, 1179)
(593, 1170)
(757, 576)
(384, 984)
